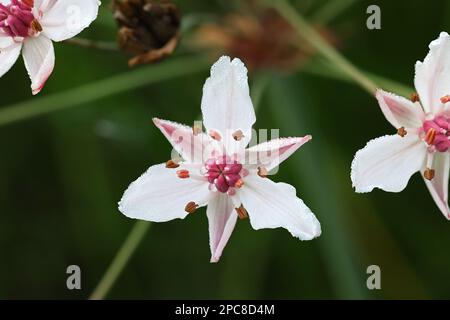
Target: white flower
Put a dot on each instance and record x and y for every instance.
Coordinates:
(214, 170)
(422, 143)
(29, 26)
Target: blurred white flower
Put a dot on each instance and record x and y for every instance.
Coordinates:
(30, 26)
(423, 127)
(219, 172)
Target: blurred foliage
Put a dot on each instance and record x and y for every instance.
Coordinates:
(63, 173)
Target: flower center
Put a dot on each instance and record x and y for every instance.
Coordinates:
(436, 133)
(224, 173)
(17, 20)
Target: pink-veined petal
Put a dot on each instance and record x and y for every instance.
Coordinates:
(226, 103)
(271, 153)
(274, 205)
(387, 163)
(64, 19)
(438, 186)
(193, 148)
(222, 220)
(432, 79)
(39, 57)
(160, 195)
(8, 55)
(400, 112)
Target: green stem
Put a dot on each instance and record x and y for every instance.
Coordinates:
(93, 44)
(121, 259)
(331, 10)
(329, 70)
(322, 46)
(101, 89)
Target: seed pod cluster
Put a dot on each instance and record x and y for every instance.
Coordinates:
(148, 29)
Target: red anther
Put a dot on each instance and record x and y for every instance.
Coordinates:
(215, 135)
(242, 213)
(415, 97)
(172, 164)
(262, 172)
(238, 135)
(183, 174)
(239, 183)
(191, 207)
(428, 174)
(36, 26)
(445, 99)
(431, 134)
(29, 3)
(402, 132)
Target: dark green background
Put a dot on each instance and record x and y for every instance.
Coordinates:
(62, 174)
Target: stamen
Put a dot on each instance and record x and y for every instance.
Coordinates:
(36, 26)
(197, 129)
(262, 172)
(402, 132)
(223, 172)
(430, 158)
(436, 131)
(445, 98)
(191, 207)
(429, 137)
(239, 183)
(16, 19)
(231, 192)
(242, 213)
(172, 164)
(428, 174)
(183, 174)
(29, 3)
(415, 97)
(238, 135)
(215, 135)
